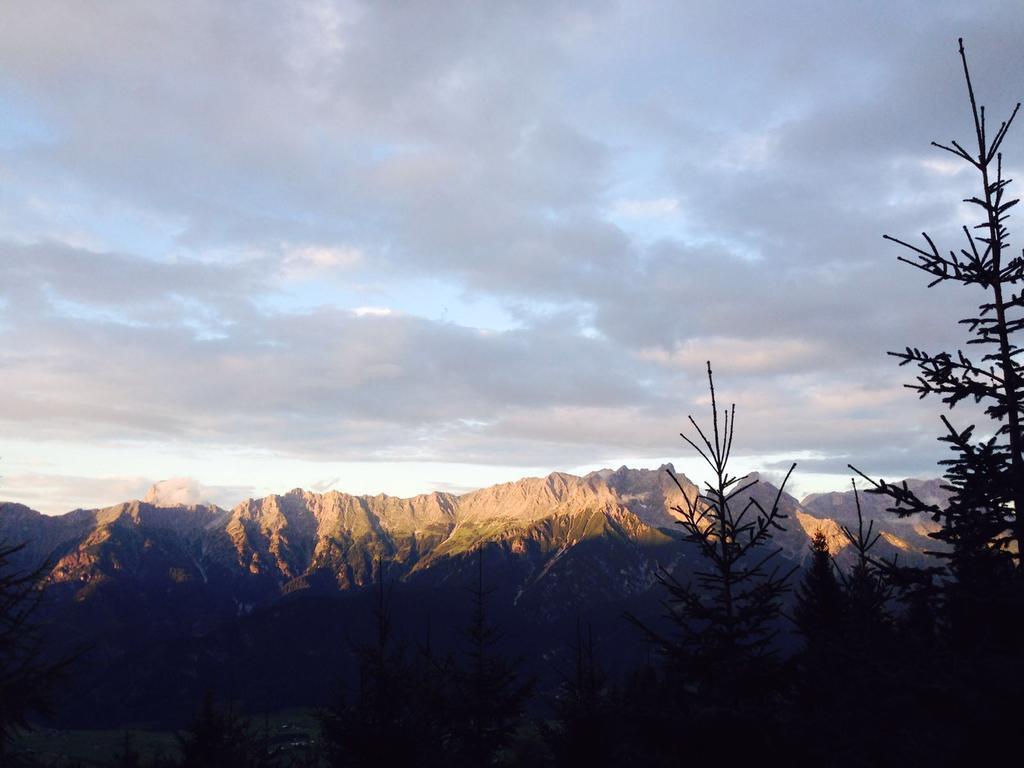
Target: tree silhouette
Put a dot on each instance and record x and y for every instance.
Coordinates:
(219, 737)
(377, 726)
(819, 600)
(586, 729)
(867, 587)
(727, 616)
(27, 675)
(982, 524)
(489, 693)
(433, 698)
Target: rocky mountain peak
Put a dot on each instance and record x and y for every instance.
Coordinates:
(301, 535)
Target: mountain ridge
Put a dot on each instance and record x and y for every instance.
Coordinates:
(929, 489)
(151, 587)
(304, 534)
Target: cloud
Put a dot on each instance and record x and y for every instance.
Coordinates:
(307, 261)
(655, 207)
(210, 216)
(52, 493)
(759, 357)
(177, 491)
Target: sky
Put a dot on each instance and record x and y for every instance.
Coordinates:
(399, 247)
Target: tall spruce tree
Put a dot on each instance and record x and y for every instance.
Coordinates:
(982, 524)
(819, 599)
(377, 726)
(867, 586)
(585, 732)
(218, 736)
(490, 694)
(727, 615)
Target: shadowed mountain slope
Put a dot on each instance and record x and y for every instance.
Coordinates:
(171, 598)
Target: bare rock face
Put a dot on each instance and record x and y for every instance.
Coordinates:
(843, 506)
(651, 494)
(130, 540)
(811, 525)
(288, 537)
(534, 498)
(907, 535)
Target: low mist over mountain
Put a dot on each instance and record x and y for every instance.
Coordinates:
(155, 588)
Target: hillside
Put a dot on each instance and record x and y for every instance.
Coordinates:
(167, 599)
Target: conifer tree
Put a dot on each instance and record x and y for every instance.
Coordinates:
(982, 524)
(867, 587)
(219, 737)
(851, 675)
(490, 695)
(819, 599)
(818, 615)
(433, 702)
(376, 726)
(585, 734)
(728, 615)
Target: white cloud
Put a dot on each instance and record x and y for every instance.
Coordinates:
(371, 311)
(605, 173)
(944, 167)
(306, 261)
(658, 207)
(177, 491)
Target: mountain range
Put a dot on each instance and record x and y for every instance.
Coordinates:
(167, 598)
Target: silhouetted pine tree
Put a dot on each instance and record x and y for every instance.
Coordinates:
(586, 732)
(219, 737)
(867, 586)
(656, 720)
(819, 600)
(728, 616)
(982, 525)
(378, 725)
(853, 672)
(27, 676)
(489, 695)
(819, 615)
(971, 686)
(433, 702)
